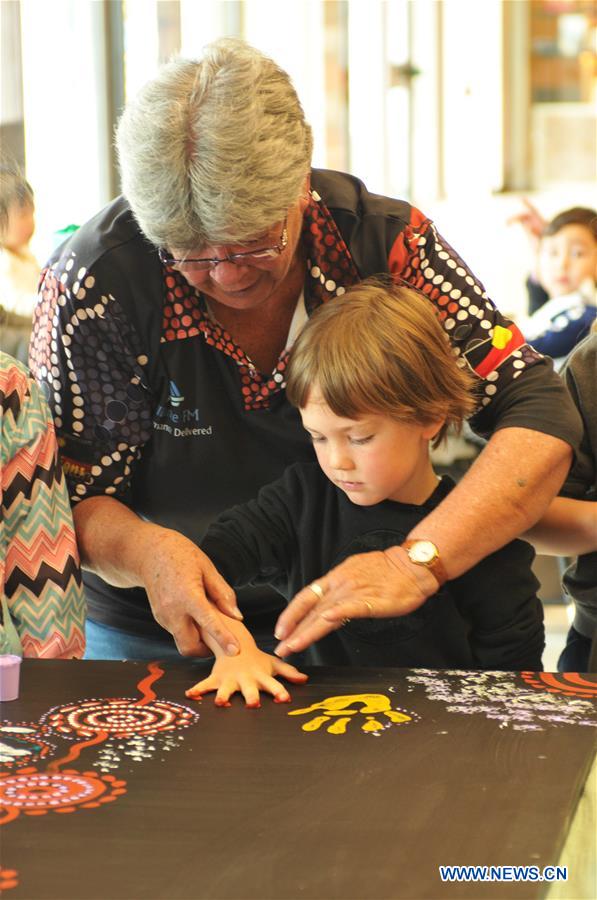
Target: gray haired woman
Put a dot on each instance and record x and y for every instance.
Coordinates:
(162, 334)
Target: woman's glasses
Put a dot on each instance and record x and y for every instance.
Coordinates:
(248, 258)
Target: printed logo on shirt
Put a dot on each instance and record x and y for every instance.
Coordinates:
(176, 397)
(177, 421)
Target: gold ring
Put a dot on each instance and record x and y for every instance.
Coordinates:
(317, 589)
(369, 607)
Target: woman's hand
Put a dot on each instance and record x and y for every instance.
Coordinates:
(183, 585)
(249, 672)
(367, 585)
(180, 581)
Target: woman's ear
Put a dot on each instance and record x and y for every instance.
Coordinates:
(305, 196)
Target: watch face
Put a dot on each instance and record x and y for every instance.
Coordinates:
(423, 552)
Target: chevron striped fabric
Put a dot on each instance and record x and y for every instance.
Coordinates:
(40, 576)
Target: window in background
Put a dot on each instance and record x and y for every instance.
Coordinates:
(68, 129)
(563, 91)
(12, 131)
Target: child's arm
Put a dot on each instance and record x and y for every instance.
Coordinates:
(498, 598)
(249, 672)
(568, 528)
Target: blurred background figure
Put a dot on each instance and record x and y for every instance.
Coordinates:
(562, 295)
(19, 269)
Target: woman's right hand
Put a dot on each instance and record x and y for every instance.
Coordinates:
(185, 592)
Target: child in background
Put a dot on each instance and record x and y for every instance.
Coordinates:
(567, 271)
(569, 527)
(376, 383)
(19, 269)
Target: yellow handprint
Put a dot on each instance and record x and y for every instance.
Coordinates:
(370, 705)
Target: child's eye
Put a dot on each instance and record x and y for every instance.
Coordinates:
(316, 438)
(364, 440)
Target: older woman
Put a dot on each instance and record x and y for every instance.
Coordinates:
(163, 330)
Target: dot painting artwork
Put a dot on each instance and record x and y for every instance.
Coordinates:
(30, 791)
(152, 792)
(531, 701)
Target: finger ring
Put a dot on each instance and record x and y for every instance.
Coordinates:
(369, 607)
(317, 589)
(345, 621)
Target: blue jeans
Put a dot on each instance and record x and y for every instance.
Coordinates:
(104, 642)
(575, 655)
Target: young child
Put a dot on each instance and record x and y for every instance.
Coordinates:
(376, 383)
(569, 527)
(567, 271)
(19, 270)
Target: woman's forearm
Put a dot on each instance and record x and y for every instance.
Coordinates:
(568, 528)
(113, 541)
(506, 490)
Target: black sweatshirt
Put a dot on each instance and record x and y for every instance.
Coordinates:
(302, 525)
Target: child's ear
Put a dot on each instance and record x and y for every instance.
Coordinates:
(431, 430)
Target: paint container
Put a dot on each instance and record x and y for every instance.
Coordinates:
(10, 669)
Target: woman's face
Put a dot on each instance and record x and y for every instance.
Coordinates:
(246, 286)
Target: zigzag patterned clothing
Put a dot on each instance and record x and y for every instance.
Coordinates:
(40, 576)
(158, 406)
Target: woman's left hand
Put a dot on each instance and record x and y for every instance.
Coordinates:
(379, 584)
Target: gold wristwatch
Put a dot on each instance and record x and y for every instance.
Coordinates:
(425, 553)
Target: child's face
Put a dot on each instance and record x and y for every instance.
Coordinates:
(20, 227)
(566, 259)
(372, 458)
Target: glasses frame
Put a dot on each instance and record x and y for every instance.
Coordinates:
(207, 263)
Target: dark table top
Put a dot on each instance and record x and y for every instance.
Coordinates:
(113, 785)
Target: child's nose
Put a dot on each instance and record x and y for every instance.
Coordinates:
(341, 459)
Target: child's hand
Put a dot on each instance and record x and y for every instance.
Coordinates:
(249, 672)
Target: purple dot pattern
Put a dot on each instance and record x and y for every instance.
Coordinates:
(87, 357)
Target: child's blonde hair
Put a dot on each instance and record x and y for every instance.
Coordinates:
(380, 349)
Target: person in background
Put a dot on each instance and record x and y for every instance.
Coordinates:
(569, 527)
(19, 269)
(566, 270)
(376, 384)
(42, 604)
(162, 333)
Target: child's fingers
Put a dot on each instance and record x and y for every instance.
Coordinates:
(225, 692)
(202, 687)
(291, 673)
(275, 688)
(250, 691)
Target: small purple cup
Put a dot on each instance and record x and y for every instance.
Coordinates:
(10, 668)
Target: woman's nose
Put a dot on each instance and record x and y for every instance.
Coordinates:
(226, 274)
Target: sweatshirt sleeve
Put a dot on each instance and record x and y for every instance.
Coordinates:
(256, 542)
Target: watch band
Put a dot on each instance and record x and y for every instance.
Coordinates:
(423, 552)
